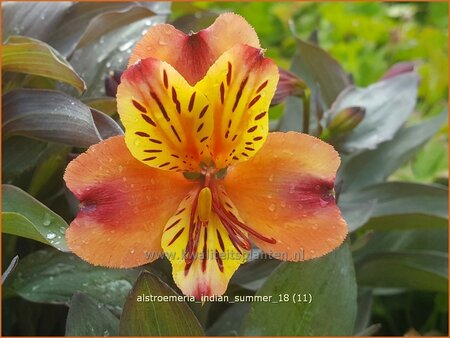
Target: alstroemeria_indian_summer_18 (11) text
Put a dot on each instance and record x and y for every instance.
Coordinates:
(197, 175)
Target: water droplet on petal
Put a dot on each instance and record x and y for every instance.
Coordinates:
(272, 207)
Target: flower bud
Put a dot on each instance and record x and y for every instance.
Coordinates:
(343, 122)
(399, 68)
(112, 82)
(289, 84)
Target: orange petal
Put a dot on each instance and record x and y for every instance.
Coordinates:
(124, 205)
(192, 55)
(286, 192)
(213, 260)
(167, 122)
(239, 87)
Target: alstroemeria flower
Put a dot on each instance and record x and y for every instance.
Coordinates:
(197, 175)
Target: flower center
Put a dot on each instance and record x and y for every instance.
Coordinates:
(210, 197)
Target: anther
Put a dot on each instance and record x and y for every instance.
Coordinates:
(204, 204)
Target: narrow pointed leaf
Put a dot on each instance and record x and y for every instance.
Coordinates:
(157, 318)
(387, 105)
(24, 216)
(30, 56)
(49, 276)
(10, 268)
(319, 69)
(421, 270)
(374, 166)
(54, 116)
(88, 317)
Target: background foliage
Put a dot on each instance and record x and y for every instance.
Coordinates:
(390, 278)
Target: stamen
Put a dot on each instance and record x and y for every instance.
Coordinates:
(204, 204)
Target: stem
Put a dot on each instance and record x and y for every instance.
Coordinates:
(306, 111)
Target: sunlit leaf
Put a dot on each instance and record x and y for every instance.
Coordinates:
(331, 282)
(88, 317)
(26, 55)
(153, 317)
(24, 216)
(107, 105)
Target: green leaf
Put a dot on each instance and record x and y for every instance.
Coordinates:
(88, 317)
(404, 240)
(49, 276)
(292, 118)
(422, 270)
(253, 274)
(10, 268)
(19, 155)
(380, 100)
(356, 212)
(56, 117)
(26, 55)
(107, 105)
(431, 160)
(112, 50)
(229, 322)
(87, 22)
(48, 173)
(402, 205)
(330, 281)
(153, 317)
(24, 216)
(364, 310)
(374, 166)
(34, 19)
(320, 70)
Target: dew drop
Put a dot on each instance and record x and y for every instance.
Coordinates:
(47, 220)
(271, 178)
(272, 207)
(283, 204)
(125, 46)
(132, 251)
(50, 235)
